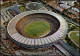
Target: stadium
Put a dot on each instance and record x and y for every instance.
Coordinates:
(37, 29)
(34, 5)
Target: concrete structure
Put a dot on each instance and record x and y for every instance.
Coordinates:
(35, 6)
(40, 42)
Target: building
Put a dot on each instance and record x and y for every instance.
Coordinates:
(35, 6)
(71, 3)
(1, 2)
(17, 36)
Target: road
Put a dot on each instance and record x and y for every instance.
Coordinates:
(69, 48)
(61, 13)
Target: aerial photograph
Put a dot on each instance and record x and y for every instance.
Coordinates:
(39, 28)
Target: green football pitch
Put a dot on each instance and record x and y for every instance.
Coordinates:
(75, 37)
(37, 29)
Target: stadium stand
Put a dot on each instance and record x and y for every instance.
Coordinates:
(15, 10)
(43, 42)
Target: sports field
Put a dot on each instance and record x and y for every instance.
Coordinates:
(75, 37)
(22, 8)
(37, 29)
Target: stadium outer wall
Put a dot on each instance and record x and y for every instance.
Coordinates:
(38, 46)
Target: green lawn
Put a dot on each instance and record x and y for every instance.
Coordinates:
(37, 28)
(75, 36)
(22, 8)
